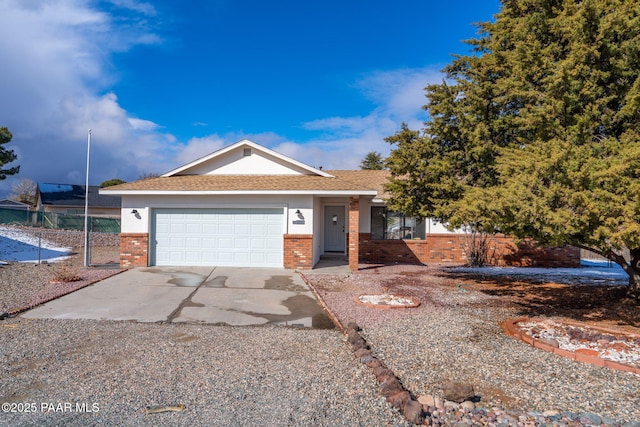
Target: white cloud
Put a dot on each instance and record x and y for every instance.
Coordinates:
(142, 7)
(56, 78)
(198, 147)
(55, 71)
(345, 141)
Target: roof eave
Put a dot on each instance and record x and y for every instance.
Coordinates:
(240, 192)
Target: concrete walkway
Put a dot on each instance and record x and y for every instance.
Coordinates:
(212, 295)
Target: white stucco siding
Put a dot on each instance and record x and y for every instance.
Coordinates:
(435, 227)
(365, 215)
(318, 239)
(236, 163)
(140, 222)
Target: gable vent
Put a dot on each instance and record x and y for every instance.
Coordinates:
(247, 151)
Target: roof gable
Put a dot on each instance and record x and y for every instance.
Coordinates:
(245, 158)
(13, 204)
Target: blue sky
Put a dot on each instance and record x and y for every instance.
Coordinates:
(161, 83)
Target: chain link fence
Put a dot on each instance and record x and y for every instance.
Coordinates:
(68, 231)
(58, 221)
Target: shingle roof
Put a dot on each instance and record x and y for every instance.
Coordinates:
(73, 195)
(374, 179)
(356, 181)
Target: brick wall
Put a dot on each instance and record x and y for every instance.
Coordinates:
(134, 250)
(353, 236)
(298, 251)
(450, 248)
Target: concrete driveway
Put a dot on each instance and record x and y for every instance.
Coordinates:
(213, 295)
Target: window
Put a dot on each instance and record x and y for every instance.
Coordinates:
(388, 225)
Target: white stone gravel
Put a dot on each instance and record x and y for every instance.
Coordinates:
(628, 353)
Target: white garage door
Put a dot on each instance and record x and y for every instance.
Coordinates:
(217, 237)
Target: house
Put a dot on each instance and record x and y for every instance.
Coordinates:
(13, 204)
(14, 212)
(246, 205)
(69, 199)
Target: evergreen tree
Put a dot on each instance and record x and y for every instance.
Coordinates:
(111, 182)
(372, 161)
(536, 132)
(6, 156)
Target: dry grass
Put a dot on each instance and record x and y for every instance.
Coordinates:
(65, 271)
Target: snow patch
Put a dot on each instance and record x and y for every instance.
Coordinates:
(19, 246)
(603, 270)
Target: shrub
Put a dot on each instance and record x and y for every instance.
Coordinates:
(65, 272)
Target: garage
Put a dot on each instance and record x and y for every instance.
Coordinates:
(217, 237)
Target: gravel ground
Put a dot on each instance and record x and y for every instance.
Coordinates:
(75, 372)
(287, 376)
(454, 335)
(25, 285)
(226, 376)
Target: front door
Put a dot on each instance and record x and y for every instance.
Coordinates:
(334, 237)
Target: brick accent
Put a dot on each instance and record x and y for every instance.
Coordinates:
(353, 237)
(134, 250)
(450, 248)
(298, 251)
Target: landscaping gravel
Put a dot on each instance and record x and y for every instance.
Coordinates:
(24, 285)
(83, 372)
(225, 376)
(454, 335)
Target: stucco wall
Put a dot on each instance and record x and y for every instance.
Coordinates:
(140, 222)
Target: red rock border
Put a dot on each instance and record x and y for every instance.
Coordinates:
(414, 304)
(511, 328)
(390, 386)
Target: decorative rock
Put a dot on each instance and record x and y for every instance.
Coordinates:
(354, 337)
(448, 404)
(551, 413)
(457, 391)
(399, 399)
(438, 403)
(366, 359)
(590, 418)
(413, 412)
(468, 405)
(374, 363)
(390, 386)
(427, 400)
(361, 352)
(360, 344)
(353, 326)
(381, 371)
